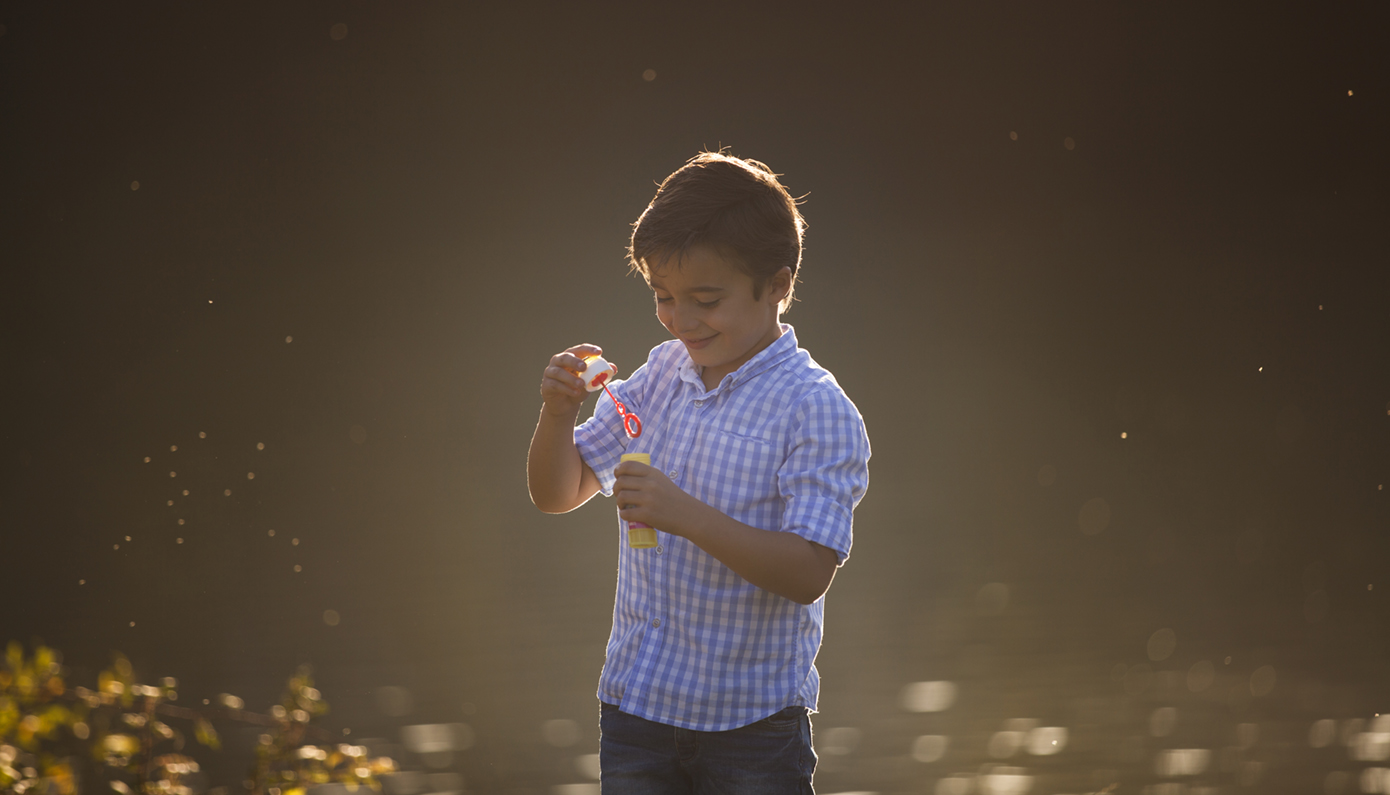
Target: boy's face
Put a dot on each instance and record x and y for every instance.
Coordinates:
(707, 303)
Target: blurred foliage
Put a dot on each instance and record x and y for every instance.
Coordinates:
(59, 741)
(36, 724)
(286, 765)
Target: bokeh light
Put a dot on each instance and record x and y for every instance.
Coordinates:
(560, 732)
(587, 765)
(1161, 644)
(1201, 676)
(1182, 761)
(928, 696)
(837, 741)
(1162, 721)
(1322, 733)
(1048, 740)
(929, 748)
(1006, 781)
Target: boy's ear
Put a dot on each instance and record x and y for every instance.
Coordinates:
(780, 284)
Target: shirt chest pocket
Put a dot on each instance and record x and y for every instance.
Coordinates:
(740, 471)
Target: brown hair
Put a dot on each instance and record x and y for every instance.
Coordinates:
(735, 205)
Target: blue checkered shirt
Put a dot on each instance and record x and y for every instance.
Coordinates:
(776, 445)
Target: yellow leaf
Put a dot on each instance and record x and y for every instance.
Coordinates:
(206, 734)
(43, 660)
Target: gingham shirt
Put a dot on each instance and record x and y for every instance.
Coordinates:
(776, 445)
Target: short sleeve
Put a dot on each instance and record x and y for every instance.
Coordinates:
(826, 471)
(601, 440)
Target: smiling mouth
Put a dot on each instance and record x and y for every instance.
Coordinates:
(697, 344)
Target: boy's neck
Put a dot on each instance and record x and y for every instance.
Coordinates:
(711, 376)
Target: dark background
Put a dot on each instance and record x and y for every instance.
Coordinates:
(435, 203)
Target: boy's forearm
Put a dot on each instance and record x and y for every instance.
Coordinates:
(784, 563)
(553, 466)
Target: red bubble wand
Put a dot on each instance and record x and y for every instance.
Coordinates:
(604, 370)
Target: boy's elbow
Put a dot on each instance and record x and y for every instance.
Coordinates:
(811, 595)
(810, 592)
(820, 574)
(554, 503)
(550, 506)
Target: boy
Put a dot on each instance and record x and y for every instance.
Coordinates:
(758, 459)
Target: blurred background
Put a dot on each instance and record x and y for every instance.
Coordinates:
(1108, 283)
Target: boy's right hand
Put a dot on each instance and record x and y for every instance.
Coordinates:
(561, 387)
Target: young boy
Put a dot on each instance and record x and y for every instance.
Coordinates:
(758, 460)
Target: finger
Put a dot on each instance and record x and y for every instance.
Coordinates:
(570, 364)
(552, 388)
(629, 487)
(585, 349)
(564, 376)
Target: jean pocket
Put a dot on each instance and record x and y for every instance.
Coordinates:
(788, 719)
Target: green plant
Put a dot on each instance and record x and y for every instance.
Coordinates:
(58, 741)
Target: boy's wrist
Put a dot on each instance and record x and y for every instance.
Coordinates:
(560, 413)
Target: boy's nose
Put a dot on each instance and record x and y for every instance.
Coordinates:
(684, 322)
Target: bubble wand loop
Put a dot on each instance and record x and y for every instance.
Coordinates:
(631, 423)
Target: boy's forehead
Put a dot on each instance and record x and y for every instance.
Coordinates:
(699, 265)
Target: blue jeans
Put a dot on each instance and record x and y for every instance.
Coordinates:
(770, 757)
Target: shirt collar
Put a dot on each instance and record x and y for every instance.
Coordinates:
(779, 351)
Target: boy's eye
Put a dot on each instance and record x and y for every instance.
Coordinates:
(702, 304)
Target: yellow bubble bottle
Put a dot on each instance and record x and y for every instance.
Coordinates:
(640, 536)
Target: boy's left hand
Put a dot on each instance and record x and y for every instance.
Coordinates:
(644, 494)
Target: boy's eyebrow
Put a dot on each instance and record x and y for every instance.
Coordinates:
(702, 289)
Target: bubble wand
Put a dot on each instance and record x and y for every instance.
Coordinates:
(602, 371)
(596, 375)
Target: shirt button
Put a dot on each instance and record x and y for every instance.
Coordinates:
(659, 550)
(656, 623)
(673, 474)
(699, 403)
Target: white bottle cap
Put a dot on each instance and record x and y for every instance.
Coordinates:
(597, 372)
